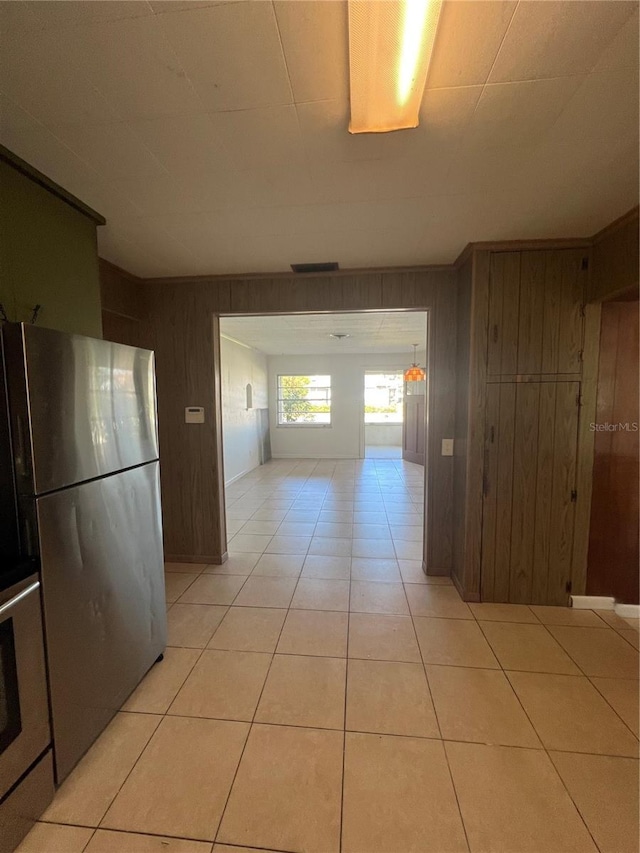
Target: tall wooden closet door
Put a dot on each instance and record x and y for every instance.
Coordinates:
(529, 480)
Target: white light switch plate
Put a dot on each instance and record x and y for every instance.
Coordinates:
(447, 447)
(194, 415)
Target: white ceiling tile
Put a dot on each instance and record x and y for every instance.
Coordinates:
(266, 221)
(13, 118)
(39, 147)
(263, 137)
(111, 149)
(105, 198)
(182, 143)
(232, 54)
(467, 42)
(475, 169)
(605, 106)
(37, 72)
(518, 114)
(71, 13)
(191, 229)
(282, 250)
(580, 207)
(238, 189)
(280, 185)
(161, 193)
(378, 180)
(324, 127)
(622, 51)
(132, 65)
(444, 115)
(215, 186)
(16, 19)
(316, 47)
(370, 332)
(116, 249)
(145, 237)
(556, 38)
(161, 7)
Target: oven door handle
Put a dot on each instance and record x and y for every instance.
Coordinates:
(5, 608)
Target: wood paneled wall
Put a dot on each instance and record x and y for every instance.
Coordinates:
(177, 318)
(519, 348)
(123, 306)
(182, 329)
(461, 438)
(615, 259)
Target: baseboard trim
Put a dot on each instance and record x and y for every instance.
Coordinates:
(628, 611)
(592, 602)
(240, 475)
(435, 572)
(473, 597)
(216, 559)
(314, 456)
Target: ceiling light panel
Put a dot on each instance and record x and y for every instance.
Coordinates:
(390, 46)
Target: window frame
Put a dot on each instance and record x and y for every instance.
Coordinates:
(280, 425)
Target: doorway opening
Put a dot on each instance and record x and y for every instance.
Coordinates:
(383, 414)
(323, 437)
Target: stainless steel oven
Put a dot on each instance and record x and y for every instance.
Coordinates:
(26, 777)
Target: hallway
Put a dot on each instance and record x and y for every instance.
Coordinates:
(320, 693)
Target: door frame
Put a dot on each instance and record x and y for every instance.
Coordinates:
(218, 426)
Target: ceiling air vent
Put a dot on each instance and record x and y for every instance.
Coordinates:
(329, 266)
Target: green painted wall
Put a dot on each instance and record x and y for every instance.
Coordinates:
(48, 255)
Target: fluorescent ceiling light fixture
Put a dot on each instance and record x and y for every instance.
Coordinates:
(390, 47)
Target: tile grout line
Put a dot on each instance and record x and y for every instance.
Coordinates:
(346, 699)
(542, 743)
(444, 748)
(588, 677)
(251, 725)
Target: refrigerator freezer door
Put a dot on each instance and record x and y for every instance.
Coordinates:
(87, 406)
(104, 603)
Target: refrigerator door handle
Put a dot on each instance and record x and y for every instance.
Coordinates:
(22, 455)
(5, 608)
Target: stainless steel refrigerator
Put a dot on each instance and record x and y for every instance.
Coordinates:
(83, 422)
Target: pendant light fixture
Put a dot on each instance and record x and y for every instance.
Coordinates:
(414, 373)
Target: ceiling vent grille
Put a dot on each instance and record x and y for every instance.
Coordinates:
(329, 266)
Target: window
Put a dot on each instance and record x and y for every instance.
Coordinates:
(304, 400)
(383, 398)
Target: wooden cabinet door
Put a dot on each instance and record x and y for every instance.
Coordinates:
(504, 311)
(535, 312)
(531, 431)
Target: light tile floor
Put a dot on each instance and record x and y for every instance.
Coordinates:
(319, 693)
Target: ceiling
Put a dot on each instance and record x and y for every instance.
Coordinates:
(213, 135)
(309, 334)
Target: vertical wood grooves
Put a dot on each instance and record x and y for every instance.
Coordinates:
(525, 451)
(473, 508)
(533, 330)
(584, 473)
(544, 486)
(181, 328)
